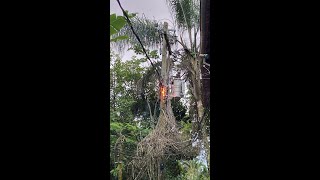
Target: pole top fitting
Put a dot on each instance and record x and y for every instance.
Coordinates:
(204, 55)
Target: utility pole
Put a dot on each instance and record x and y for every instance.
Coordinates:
(164, 69)
(205, 50)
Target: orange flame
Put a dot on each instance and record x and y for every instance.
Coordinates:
(163, 92)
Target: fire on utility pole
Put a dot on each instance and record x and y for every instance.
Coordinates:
(164, 69)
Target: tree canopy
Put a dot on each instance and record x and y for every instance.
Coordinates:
(135, 113)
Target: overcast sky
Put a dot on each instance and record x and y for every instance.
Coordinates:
(152, 9)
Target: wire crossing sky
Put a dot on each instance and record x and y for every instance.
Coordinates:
(152, 9)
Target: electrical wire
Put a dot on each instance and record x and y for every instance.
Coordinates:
(144, 50)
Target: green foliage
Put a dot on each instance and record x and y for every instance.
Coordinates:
(185, 170)
(186, 12)
(138, 50)
(171, 169)
(179, 110)
(129, 114)
(118, 38)
(193, 170)
(116, 23)
(129, 82)
(124, 76)
(116, 126)
(146, 29)
(186, 127)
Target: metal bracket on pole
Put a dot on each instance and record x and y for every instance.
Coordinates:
(206, 57)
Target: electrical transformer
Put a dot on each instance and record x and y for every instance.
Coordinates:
(177, 88)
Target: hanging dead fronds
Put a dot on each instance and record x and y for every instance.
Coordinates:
(163, 142)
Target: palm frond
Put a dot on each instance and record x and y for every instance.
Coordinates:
(186, 12)
(146, 29)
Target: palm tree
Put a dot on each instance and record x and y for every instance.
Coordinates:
(186, 15)
(146, 29)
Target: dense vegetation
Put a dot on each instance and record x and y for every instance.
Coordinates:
(134, 98)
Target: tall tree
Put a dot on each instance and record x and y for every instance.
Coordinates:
(126, 128)
(187, 17)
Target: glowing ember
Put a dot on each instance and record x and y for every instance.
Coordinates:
(163, 92)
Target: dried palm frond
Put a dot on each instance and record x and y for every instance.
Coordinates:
(164, 141)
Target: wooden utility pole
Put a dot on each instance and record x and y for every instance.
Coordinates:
(164, 69)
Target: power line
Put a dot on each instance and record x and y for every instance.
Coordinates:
(144, 50)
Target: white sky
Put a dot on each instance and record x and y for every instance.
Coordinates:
(152, 9)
